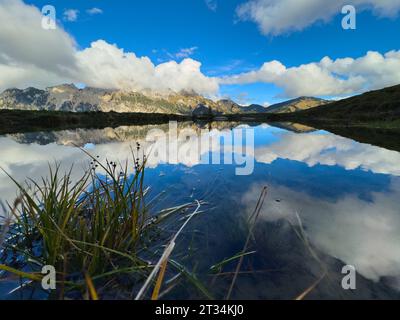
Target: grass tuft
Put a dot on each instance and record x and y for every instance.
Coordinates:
(99, 233)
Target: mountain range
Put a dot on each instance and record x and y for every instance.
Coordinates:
(68, 97)
(294, 105)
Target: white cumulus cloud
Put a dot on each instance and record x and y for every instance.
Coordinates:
(32, 56)
(275, 17)
(105, 65)
(327, 77)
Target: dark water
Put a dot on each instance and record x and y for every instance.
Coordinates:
(330, 202)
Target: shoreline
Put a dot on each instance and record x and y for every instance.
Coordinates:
(380, 132)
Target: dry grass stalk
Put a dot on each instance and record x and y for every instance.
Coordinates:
(252, 221)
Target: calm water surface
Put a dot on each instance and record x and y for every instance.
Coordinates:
(344, 195)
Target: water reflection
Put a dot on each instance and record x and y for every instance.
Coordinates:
(359, 232)
(345, 193)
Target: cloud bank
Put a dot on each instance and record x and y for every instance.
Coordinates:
(32, 56)
(107, 66)
(327, 77)
(275, 17)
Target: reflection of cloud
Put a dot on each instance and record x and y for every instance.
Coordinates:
(329, 149)
(358, 232)
(111, 145)
(193, 148)
(310, 148)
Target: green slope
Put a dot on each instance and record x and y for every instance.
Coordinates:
(379, 105)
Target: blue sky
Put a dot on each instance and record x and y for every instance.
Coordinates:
(224, 44)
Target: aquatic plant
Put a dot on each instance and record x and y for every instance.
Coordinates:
(101, 233)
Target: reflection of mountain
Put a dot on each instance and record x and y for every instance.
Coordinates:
(312, 148)
(350, 213)
(381, 137)
(80, 137)
(294, 127)
(330, 150)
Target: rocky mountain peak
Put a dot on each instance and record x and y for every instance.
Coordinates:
(67, 97)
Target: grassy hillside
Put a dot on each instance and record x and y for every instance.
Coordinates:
(380, 105)
(302, 103)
